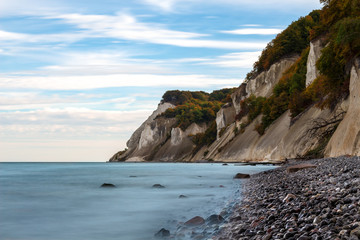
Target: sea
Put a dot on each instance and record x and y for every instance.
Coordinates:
(64, 201)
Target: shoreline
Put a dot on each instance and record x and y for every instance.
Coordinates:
(312, 203)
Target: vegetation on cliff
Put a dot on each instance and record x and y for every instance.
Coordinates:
(293, 40)
(338, 23)
(195, 107)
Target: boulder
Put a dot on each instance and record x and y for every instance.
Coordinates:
(195, 221)
(158, 186)
(298, 167)
(241, 176)
(183, 196)
(162, 233)
(108, 185)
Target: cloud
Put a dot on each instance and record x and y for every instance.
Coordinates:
(124, 27)
(254, 31)
(127, 27)
(66, 134)
(231, 60)
(112, 80)
(175, 5)
(251, 25)
(13, 101)
(70, 119)
(23, 7)
(236, 60)
(165, 5)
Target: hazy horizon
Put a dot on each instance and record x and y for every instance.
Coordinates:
(78, 77)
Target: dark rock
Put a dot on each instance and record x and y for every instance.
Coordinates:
(195, 221)
(162, 233)
(215, 219)
(183, 196)
(267, 236)
(224, 164)
(289, 235)
(158, 186)
(107, 185)
(355, 234)
(241, 176)
(304, 237)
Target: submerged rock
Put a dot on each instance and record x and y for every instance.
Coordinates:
(162, 233)
(158, 186)
(107, 185)
(183, 196)
(215, 219)
(241, 176)
(195, 221)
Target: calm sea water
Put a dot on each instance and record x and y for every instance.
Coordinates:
(64, 201)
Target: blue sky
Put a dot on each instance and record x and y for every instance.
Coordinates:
(78, 77)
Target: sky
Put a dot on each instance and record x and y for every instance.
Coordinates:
(77, 77)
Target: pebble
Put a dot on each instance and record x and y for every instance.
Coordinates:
(314, 203)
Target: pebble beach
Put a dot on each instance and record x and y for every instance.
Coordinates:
(319, 202)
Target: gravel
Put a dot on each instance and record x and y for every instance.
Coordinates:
(313, 203)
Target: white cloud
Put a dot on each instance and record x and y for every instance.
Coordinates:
(96, 149)
(230, 60)
(26, 8)
(73, 120)
(125, 26)
(174, 5)
(12, 101)
(236, 60)
(165, 5)
(251, 25)
(112, 80)
(10, 36)
(254, 31)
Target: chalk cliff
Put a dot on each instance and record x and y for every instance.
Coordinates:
(314, 54)
(346, 139)
(159, 139)
(262, 85)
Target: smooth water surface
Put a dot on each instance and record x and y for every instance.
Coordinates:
(64, 201)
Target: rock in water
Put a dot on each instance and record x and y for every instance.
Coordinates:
(158, 186)
(296, 168)
(162, 233)
(108, 185)
(241, 176)
(195, 221)
(215, 219)
(182, 196)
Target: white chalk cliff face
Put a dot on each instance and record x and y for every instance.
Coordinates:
(263, 84)
(346, 139)
(224, 117)
(177, 136)
(133, 142)
(237, 96)
(314, 54)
